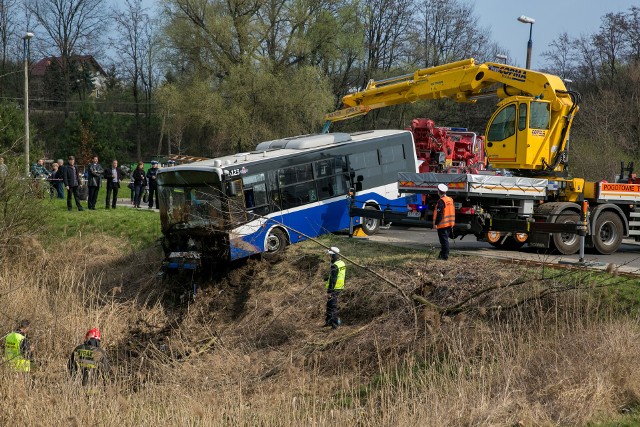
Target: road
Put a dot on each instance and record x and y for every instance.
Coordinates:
(627, 259)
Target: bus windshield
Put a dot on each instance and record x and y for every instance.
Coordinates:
(191, 207)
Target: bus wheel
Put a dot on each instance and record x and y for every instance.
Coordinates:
(370, 226)
(608, 233)
(494, 238)
(567, 243)
(275, 245)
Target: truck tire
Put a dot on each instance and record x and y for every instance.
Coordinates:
(515, 241)
(276, 244)
(370, 226)
(494, 238)
(608, 233)
(566, 243)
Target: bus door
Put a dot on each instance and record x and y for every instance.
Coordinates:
(235, 208)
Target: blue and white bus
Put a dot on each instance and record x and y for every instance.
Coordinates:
(235, 206)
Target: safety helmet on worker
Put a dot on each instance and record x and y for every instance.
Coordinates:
(333, 251)
(93, 333)
(443, 188)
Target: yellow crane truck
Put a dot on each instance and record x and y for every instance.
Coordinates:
(533, 200)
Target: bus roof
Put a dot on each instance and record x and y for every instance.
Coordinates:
(284, 147)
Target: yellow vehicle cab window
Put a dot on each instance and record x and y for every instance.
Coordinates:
(522, 117)
(540, 115)
(504, 124)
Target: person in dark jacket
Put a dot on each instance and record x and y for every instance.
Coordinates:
(153, 184)
(139, 183)
(88, 361)
(71, 182)
(334, 285)
(113, 176)
(94, 178)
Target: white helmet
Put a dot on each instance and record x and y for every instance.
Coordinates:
(442, 188)
(333, 251)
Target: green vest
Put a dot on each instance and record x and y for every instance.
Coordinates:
(84, 357)
(12, 354)
(342, 270)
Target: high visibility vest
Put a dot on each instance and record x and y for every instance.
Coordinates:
(84, 357)
(448, 214)
(12, 353)
(342, 271)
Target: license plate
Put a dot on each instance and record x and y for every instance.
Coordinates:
(413, 214)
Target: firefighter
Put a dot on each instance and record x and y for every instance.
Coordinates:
(89, 360)
(17, 350)
(334, 285)
(444, 216)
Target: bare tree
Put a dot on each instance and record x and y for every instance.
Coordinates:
(73, 28)
(561, 56)
(130, 44)
(611, 42)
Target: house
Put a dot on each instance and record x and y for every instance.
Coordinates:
(86, 63)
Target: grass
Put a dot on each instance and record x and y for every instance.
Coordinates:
(250, 349)
(136, 228)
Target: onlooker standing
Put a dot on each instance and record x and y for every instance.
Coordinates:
(38, 170)
(95, 172)
(4, 171)
(71, 183)
(153, 184)
(113, 176)
(139, 182)
(17, 351)
(53, 180)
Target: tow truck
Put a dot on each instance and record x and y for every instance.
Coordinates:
(532, 200)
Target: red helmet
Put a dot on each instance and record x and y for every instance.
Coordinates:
(93, 333)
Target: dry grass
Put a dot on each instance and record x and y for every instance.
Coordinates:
(250, 350)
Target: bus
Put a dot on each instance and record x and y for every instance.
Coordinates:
(281, 193)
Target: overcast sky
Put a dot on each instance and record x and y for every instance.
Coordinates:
(553, 17)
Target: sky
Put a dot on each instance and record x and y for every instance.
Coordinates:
(553, 17)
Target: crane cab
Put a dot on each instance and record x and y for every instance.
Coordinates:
(525, 133)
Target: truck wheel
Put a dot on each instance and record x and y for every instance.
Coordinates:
(515, 241)
(494, 238)
(608, 233)
(275, 245)
(567, 243)
(370, 226)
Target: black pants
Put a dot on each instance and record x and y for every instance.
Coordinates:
(74, 191)
(110, 189)
(443, 236)
(153, 189)
(93, 197)
(331, 316)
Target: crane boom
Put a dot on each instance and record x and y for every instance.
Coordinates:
(529, 130)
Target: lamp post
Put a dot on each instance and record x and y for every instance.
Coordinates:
(530, 21)
(502, 57)
(26, 38)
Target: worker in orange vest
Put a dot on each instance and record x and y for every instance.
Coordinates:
(444, 218)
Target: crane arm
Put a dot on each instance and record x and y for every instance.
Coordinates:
(462, 81)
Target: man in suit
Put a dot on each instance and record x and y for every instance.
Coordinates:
(95, 179)
(71, 183)
(113, 176)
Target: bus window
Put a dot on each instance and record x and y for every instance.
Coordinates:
(299, 194)
(295, 174)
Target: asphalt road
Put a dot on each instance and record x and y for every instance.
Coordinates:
(627, 259)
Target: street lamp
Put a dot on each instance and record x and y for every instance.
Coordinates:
(502, 57)
(26, 38)
(530, 21)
